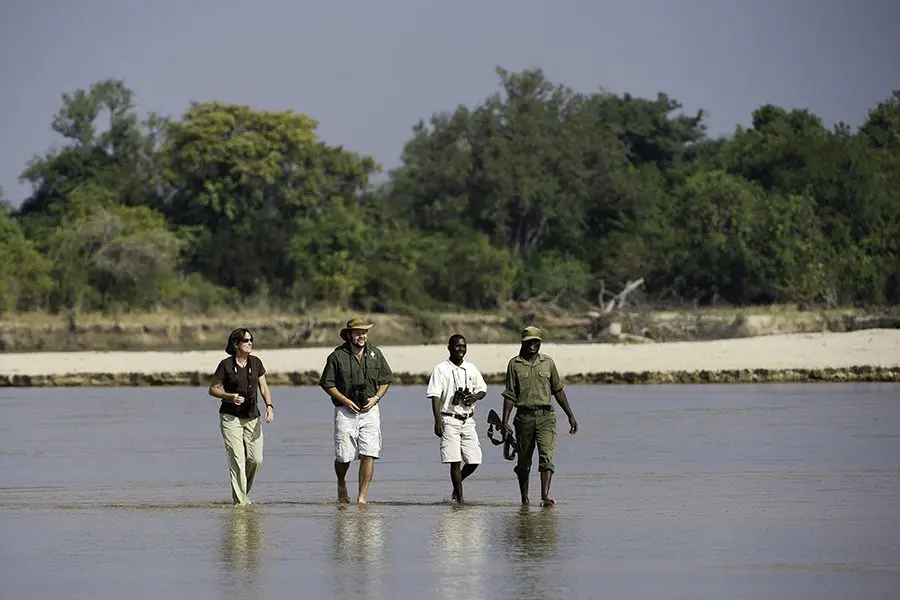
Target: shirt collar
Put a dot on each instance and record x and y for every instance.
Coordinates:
(537, 359)
(349, 349)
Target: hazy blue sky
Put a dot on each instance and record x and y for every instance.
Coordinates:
(368, 70)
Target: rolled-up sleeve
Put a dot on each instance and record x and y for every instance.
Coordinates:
(385, 375)
(329, 373)
(556, 384)
(510, 392)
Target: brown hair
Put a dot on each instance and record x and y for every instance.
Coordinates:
(235, 338)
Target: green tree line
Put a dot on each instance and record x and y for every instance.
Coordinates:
(538, 192)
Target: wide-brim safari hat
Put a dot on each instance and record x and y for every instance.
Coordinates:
(355, 323)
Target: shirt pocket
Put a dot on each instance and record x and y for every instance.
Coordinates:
(344, 375)
(372, 368)
(544, 374)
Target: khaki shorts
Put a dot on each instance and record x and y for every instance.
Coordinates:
(460, 441)
(356, 435)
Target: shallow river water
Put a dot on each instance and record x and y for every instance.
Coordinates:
(695, 492)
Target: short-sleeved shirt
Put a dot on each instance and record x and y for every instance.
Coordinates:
(241, 380)
(446, 378)
(353, 376)
(530, 384)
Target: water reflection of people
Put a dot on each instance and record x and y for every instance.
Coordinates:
(242, 542)
(533, 533)
(358, 552)
(530, 539)
(462, 540)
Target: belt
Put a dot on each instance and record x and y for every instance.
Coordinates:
(527, 410)
(456, 416)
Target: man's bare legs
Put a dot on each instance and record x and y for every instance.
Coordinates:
(523, 486)
(340, 469)
(546, 477)
(366, 470)
(457, 476)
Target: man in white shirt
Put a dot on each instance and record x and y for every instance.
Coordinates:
(454, 387)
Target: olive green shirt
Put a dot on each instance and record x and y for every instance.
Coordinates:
(530, 384)
(346, 372)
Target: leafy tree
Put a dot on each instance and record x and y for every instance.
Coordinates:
(119, 159)
(529, 177)
(536, 192)
(882, 126)
(649, 131)
(24, 274)
(554, 277)
(433, 187)
(328, 254)
(795, 260)
(711, 256)
(113, 257)
(779, 151)
(244, 183)
(465, 269)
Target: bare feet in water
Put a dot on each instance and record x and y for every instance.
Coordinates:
(547, 502)
(343, 498)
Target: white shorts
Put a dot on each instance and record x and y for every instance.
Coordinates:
(356, 435)
(460, 441)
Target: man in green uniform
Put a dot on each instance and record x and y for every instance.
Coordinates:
(356, 377)
(531, 378)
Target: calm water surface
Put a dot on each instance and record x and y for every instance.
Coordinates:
(695, 492)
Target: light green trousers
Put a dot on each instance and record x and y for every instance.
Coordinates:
(244, 445)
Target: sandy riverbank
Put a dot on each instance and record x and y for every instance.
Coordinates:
(835, 353)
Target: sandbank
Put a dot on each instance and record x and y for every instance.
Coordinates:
(875, 348)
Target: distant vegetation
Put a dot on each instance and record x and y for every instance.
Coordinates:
(537, 193)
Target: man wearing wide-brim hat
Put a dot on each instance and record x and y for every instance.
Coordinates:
(531, 380)
(356, 377)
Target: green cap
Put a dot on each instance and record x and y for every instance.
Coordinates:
(531, 333)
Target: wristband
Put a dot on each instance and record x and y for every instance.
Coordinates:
(377, 397)
(270, 405)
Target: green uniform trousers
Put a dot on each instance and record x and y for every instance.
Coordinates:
(535, 429)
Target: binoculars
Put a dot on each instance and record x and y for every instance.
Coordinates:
(459, 397)
(358, 395)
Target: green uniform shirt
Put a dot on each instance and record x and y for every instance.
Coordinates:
(530, 384)
(353, 376)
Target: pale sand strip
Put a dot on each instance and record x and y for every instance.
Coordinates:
(874, 347)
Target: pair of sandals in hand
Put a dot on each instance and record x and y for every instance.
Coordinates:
(497, 434)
